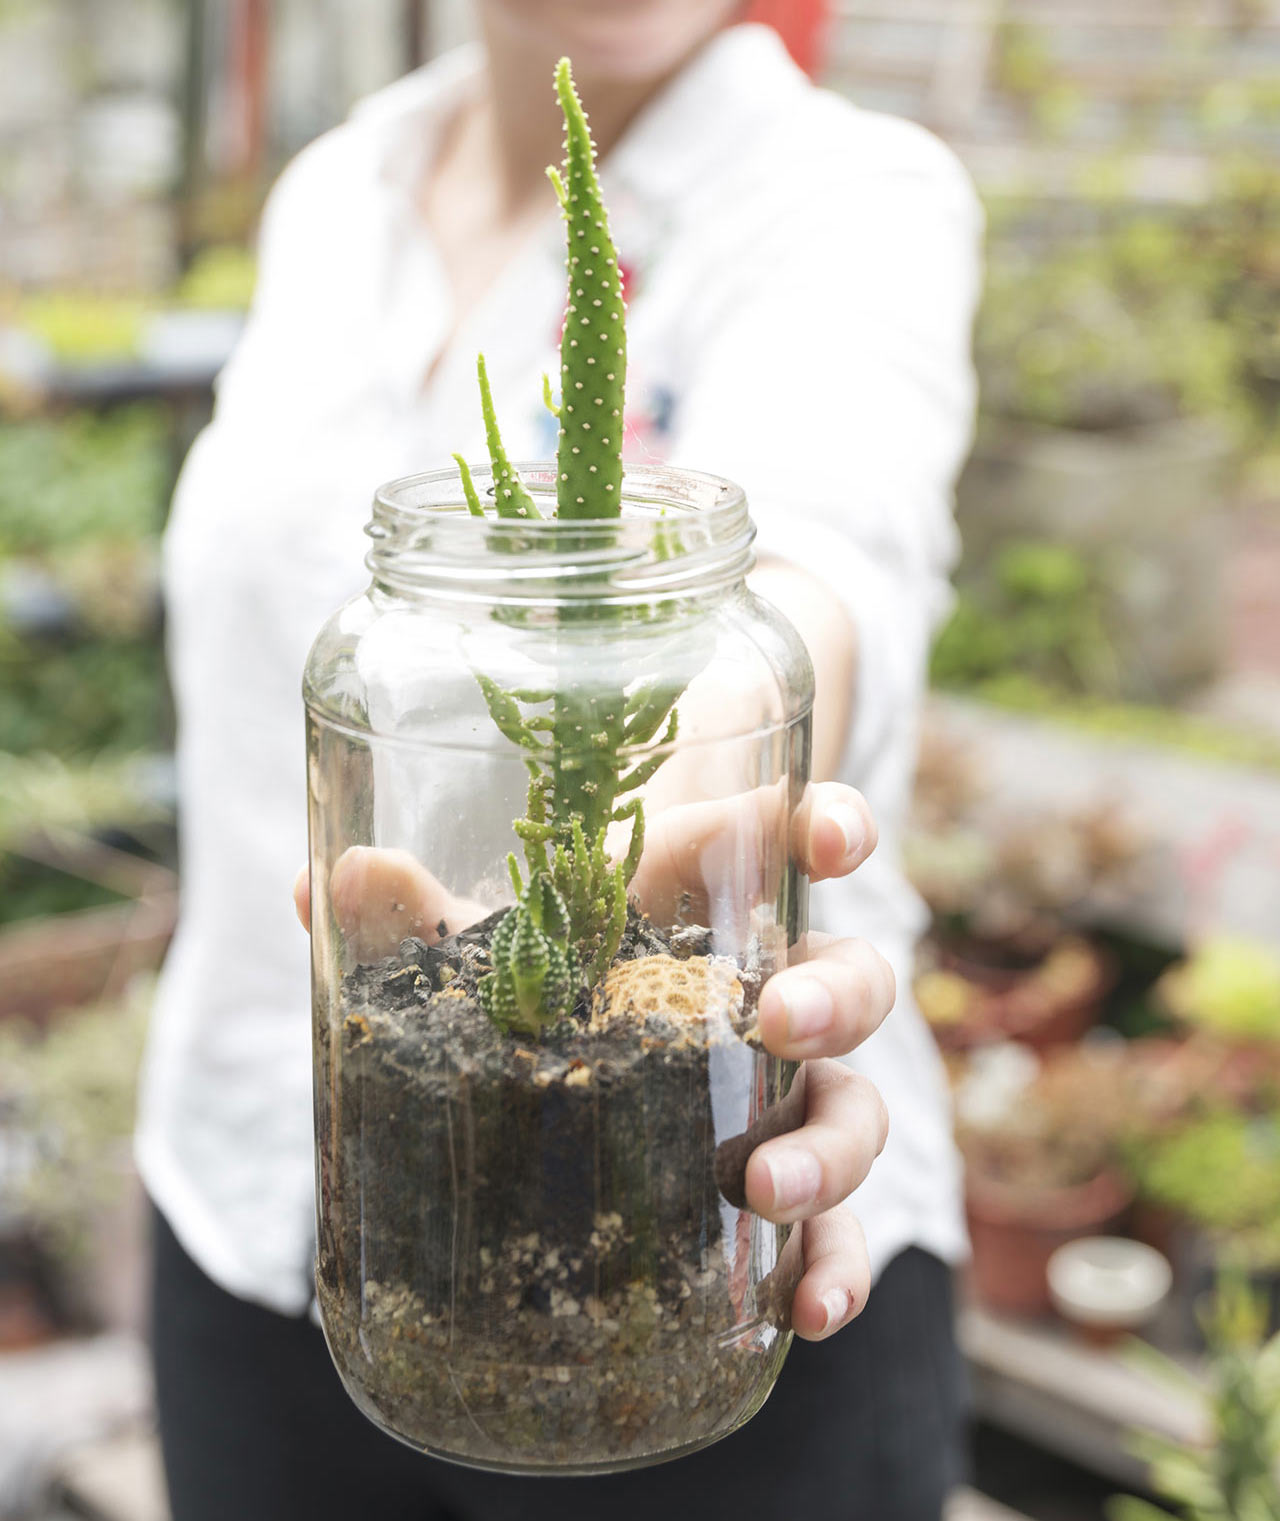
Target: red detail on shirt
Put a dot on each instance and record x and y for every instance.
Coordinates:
(802, 25)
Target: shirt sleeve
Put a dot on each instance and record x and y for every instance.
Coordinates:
(835, 385)
(315, 287)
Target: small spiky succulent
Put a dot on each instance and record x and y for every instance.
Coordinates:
(535, 969)
(574, 737)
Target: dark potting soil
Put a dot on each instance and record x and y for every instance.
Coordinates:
(528, 1256)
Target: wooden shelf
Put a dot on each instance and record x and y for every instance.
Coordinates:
(1209, 831)
(1082, 1403)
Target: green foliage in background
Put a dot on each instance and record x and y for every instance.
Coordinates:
(81, 504)
(1234, 1476)
(1140, 317)
(1230, 987)
(42, 795)
(1114, 308)
(1221, 1171)
(56, 797)
(71, 1089)
(81, 327)
(82, 699)
(219, 278)
(83, 477)
(1038, 610)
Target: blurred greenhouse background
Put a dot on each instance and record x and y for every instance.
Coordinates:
(1098, 814)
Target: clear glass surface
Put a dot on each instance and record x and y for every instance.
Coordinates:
(533, 1249)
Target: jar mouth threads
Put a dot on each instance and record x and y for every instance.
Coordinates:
(680, 532)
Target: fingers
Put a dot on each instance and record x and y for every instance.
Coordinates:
(302, 898)
(379, 897)
(837, 1275)
(717, 855)
(829, 1004)
(832, 831)
(814, 1168)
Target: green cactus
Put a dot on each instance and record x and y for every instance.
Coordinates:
(593, 347)
(534, 980)
(574, 737)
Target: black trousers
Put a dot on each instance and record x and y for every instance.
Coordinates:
(255, 1426)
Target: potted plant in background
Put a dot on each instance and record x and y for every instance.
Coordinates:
(1040, 1140)
(1232, 1476)
(1007, 956)
(1214, 1180)
(67, 1099)
(78, 916)
(537, 1074)
(1228, 990)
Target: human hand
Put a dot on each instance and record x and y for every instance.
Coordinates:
(833, 995)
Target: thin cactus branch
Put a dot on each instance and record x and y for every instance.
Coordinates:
(509, 493)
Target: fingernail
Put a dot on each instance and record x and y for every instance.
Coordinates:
(796, 1177)
(810, 1007)
(850, 825)
(836, 1303)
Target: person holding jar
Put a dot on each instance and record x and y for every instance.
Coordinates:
(801, 277)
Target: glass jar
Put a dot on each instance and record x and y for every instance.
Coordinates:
(534, 1251)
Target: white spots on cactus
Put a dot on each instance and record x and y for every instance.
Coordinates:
(596, 302)
(595, 248)
(564, 474)
(609, 376)
(578, 384)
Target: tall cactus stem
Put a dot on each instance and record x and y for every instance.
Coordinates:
(593, 348)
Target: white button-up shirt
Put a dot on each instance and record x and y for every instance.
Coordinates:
(801, 281)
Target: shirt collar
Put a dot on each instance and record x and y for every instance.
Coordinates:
(741, 80)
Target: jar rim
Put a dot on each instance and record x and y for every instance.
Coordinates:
(679, 531)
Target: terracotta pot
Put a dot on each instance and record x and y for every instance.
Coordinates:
(25, 1320)
(76, 958)
(1014, 1231)
(1012, 1004)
